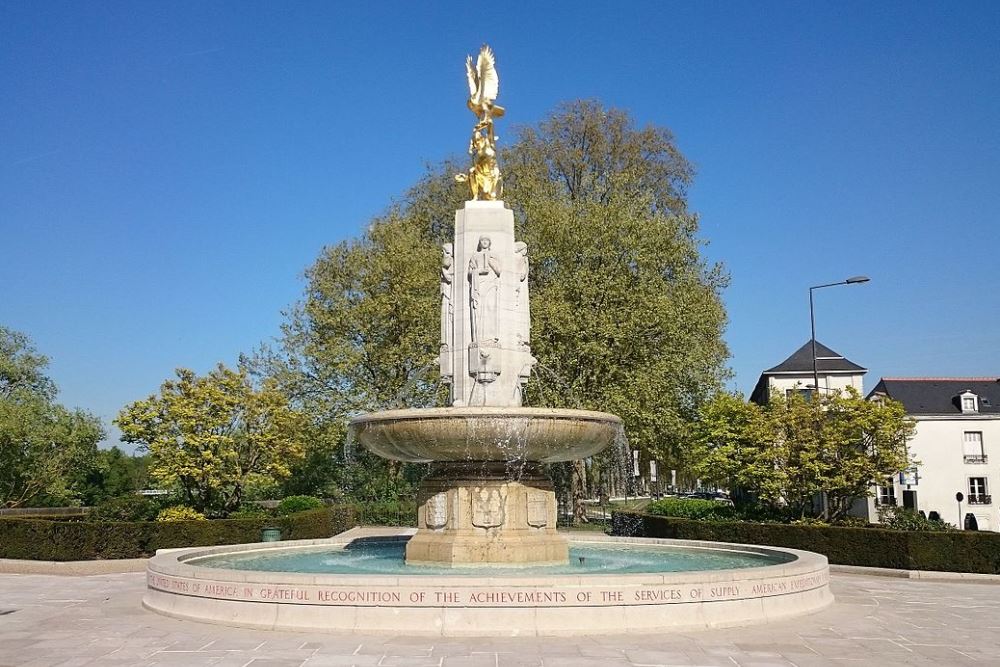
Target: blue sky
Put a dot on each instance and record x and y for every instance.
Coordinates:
(168, 170)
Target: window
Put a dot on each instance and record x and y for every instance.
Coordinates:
(804, 393)
(978, 493)
(970, 402)
(972, 447)
(887, 492)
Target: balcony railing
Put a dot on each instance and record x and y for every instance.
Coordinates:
(975, 458)
(980, 499)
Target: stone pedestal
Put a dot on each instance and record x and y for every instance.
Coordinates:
(485, 353)
(481, 512)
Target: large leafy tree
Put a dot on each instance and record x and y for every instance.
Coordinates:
(43, 445)
(627, 316)
(113, 474)
(210, 436)
(792, 451)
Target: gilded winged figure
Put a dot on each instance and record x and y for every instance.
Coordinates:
(484, 178)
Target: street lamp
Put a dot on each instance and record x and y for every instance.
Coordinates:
(853, 280)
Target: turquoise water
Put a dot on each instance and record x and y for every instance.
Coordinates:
(386, 558)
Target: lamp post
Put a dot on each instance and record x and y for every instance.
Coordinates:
(853, 280)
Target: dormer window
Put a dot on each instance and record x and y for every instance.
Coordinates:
(969, 401)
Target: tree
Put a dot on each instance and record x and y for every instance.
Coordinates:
(792, 450)
(42, 443)
(625, 311)
(736, 444)
(627, 316)
(113, 474)
(210, 436)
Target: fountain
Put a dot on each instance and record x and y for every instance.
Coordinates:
(485, 558)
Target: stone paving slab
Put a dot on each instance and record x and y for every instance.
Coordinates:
(50, 621)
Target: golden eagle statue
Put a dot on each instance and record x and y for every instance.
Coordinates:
(484, 176)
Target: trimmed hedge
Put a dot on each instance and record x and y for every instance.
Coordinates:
(951, 551)
(37, 539)
(388, 513)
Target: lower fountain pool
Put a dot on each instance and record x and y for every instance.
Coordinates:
(386, 557)
(357, 582)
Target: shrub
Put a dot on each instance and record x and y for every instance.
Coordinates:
(388, 513)
(950, 551)
(691, 508)
(180, 513)
(39, 539)
(293, 504)
(899, 518)
(125, 508)
(249, 512)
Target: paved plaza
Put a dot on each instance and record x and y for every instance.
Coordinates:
(73, 621)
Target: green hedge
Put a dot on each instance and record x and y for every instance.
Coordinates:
(952, 551)
(38, 539)
(388, 513)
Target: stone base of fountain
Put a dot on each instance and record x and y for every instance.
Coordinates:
(487, 603)
(474, 513)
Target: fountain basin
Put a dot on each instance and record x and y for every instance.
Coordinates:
(545, 435)
(485, 601)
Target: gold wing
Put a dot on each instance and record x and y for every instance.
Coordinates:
(470, 74)
(489, 80)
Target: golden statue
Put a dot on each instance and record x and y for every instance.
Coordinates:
(484, 176)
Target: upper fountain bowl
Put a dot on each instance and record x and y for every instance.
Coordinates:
(546, 435)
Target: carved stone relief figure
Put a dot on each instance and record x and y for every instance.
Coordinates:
(521, 292)
(484, 289)
(447, 291)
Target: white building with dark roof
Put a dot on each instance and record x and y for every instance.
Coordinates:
(795, 374)
(956, 445)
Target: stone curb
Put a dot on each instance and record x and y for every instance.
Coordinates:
(925, 575)
(72, 568)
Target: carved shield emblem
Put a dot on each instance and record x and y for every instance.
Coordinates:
(537, 509)
(436, 511)
(487, 507)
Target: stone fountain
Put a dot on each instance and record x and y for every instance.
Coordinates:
(487, 499)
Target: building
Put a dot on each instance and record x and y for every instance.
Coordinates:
(956, 446)
(795, 374)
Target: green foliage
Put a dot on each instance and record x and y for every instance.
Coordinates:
(602, 206)
(792, 449)
(387, 513)
(249, 512)
(112, 474)
(64, 541)
(293, 504)
(213, 435)
(43, 445)
(180, 513)
(900, 518)
(691, 508)
(125, 508)
(948, 551)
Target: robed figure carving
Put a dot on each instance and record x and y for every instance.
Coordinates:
(521, 292)
(447, 311)
(447, 289)
(484, 292)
